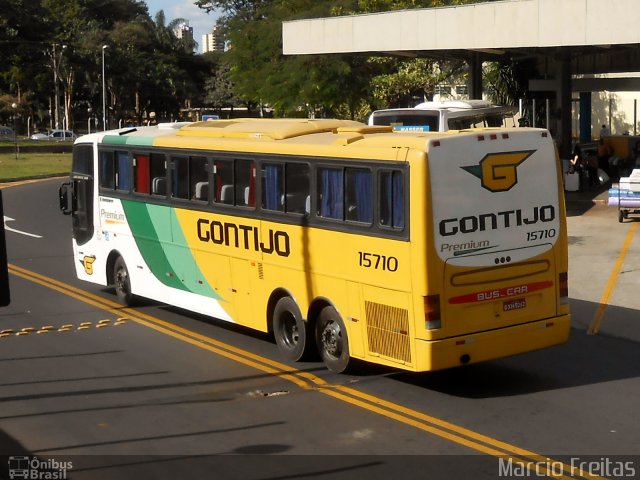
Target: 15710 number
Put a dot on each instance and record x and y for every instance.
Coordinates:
(541, 234)
(378, 262)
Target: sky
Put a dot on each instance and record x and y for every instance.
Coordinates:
(201, 22)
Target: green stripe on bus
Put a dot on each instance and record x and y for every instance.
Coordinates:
(163, 246)
(150, 243)
(128, 140)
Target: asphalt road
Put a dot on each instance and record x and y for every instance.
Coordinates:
(101, 392)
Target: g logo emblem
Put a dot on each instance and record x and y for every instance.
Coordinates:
(498, 171)
(87, 263)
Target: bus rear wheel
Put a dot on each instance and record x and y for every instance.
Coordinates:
(332, 341)
(290, 330)
(122, 282)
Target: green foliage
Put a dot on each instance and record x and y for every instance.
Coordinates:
(505, 82)
(147, 67)
(149, 70)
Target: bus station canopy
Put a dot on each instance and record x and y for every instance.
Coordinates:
(569, 38)
(603, 34)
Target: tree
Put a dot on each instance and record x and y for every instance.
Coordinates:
(322, 84)
(148, 69)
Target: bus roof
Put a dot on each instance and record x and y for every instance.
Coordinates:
(282, 136)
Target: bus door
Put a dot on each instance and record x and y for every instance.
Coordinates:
(76, 196)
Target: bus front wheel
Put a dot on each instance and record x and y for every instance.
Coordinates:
(332, 341)
(290, 330)
(122, 282)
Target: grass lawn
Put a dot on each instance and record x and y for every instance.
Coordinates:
(33, 165)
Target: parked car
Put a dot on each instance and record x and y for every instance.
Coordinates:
(62, 135)
(57, 135)
(40, 136)
(7, 134)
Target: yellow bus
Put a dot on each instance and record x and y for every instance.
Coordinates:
(416, 250)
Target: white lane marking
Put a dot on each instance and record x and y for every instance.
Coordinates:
(9, 229)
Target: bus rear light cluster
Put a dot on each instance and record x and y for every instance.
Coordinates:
(563, 283)
(432, 312)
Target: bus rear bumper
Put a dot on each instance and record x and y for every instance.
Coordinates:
(483, 346)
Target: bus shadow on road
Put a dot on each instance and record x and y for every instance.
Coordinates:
(611, 354)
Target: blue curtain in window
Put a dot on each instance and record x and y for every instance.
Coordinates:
(273, 193)
(398, 201)
(332, 204)
(364, 196)
(124, 175)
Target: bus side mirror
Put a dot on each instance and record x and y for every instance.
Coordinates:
(66, 197)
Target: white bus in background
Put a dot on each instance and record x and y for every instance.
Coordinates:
(443, 116)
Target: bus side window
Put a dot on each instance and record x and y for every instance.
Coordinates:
(198, 178)
(114, 171)
(297, 188)
(107, 169)
(245, 183)
(391, 199)
(141, 174)
(223, 182)
(359, 195)
(123, 173)
(158, 174)
(273, 187)
(180, 177)
(331, 193)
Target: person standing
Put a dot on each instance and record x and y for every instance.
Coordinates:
(576, 165)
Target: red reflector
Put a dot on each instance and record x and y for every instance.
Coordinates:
(505, 135)
(545, 134)
(493, 136)
(549, 324)
(461, 342)
(480, 138)
(435, 143)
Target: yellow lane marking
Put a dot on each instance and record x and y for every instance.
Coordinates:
(63, 328)
(26, 182)
(594, 327)
(152, 322)
(309, 381)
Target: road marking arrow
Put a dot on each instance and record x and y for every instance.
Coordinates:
(9, 229)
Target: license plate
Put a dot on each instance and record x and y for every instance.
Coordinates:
(515, 304)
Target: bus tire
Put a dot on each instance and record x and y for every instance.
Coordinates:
(122, 282)
(290, 330)
(332, 341)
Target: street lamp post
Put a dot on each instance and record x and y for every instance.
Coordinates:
(104, 92)
(15, 128)
(89, 120)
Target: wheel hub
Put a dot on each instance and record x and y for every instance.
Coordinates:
(331, 340)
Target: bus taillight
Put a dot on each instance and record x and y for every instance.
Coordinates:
(563, 283)
(432, 312)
